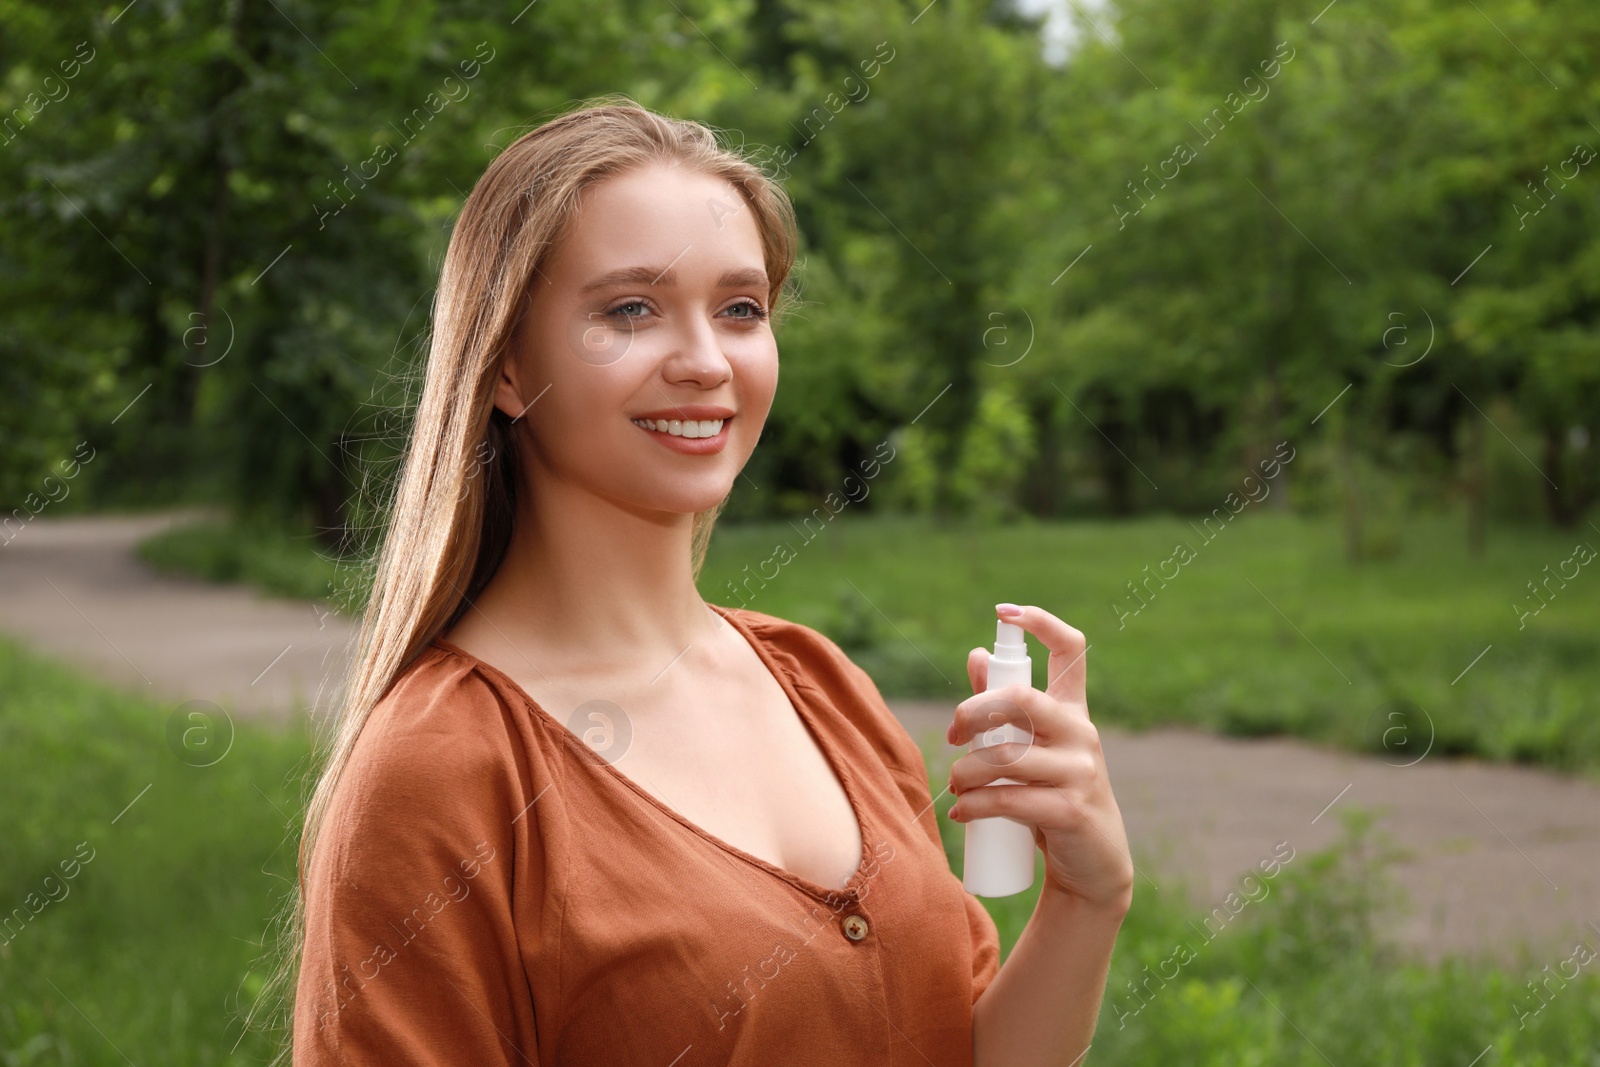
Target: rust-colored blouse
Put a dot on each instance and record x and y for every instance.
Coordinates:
(488, 890)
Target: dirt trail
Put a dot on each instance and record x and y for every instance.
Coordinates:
(74, 589)
(1496, 857)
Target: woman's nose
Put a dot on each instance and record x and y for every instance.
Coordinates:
(697, 356)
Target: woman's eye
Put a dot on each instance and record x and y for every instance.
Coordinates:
(620, 309)
(751, 309)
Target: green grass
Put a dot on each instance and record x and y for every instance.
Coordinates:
(154, 944)
(1300, 976)
(153, 951)
(1267, 630)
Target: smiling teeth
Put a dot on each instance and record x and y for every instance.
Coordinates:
(677, 428)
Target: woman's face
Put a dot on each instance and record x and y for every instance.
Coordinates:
(652, 307)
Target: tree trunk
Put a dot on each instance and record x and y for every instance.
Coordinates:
(1474, 482)
(1280, 302)
(1115, 466)
(1280, 497)
(1559, 504)
(212, 347)
(1044, 482)
(1349, 477)
(332, 497)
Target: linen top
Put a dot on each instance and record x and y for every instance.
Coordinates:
(488, 890)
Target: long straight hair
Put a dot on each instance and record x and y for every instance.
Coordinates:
(447, 529)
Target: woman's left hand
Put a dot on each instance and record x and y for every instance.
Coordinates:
(1066, 797)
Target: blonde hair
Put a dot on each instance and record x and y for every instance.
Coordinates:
(447, 528)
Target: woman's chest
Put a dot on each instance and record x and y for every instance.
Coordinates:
(733, 756)
(744, 767)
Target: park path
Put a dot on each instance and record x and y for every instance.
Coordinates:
(1496, 859)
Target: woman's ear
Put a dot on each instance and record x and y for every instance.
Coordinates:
(510, 394)
(507, 395)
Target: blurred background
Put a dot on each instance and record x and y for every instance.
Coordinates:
(1259, 340)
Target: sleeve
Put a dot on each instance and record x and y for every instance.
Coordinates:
(410, 954)
(903, 757)
(985, 945)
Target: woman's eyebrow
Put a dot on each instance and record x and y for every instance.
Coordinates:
(665, 276)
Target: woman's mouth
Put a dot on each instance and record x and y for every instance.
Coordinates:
(690, 428)
(694, 437)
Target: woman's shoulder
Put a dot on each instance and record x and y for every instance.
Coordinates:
(814, 659)
(411, 885)
(441, 694)
(811, 655)
(440, 744)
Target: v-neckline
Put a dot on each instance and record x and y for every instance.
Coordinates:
(807, 715)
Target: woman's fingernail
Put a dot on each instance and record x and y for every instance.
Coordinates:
(1008, 609)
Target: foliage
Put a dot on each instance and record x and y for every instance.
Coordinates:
(223, 229)
(253, 554)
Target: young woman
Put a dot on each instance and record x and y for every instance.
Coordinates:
(574, 814)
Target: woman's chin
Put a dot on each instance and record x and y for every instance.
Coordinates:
(682, 503)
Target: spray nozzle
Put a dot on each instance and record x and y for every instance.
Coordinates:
(1009, 643)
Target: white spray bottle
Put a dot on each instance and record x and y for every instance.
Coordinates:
(1000, 852)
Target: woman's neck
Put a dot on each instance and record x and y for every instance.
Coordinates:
(594, 584)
